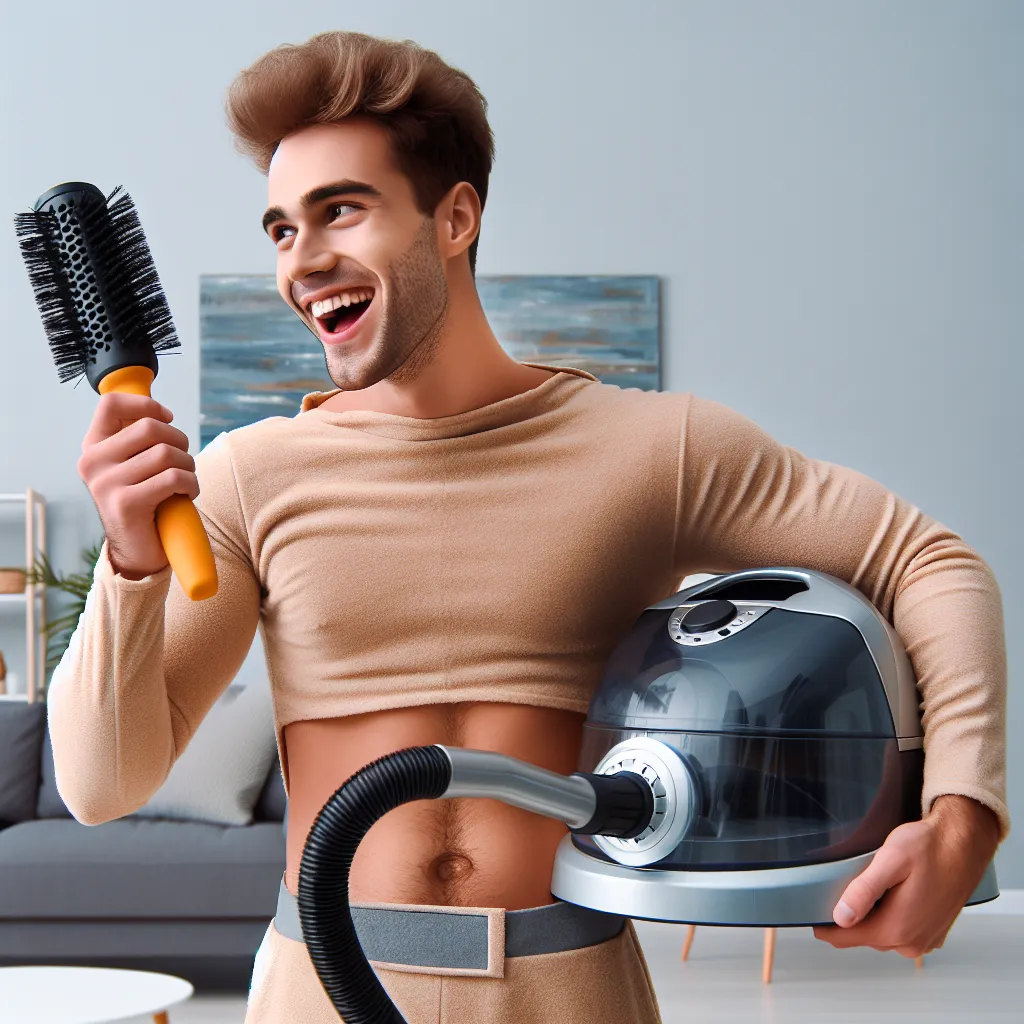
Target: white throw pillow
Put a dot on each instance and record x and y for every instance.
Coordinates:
(220, 775)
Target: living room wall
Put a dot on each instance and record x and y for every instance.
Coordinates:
(831, 193)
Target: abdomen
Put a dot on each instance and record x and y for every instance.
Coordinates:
(439, 852)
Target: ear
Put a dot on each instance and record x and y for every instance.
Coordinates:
(458, 220)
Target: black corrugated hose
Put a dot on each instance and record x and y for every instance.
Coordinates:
(623, 806)
(417, 773)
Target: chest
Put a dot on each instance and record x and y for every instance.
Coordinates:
(544, 544)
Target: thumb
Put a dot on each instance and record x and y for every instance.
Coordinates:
(888, 867)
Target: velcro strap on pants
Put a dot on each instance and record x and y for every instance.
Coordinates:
(460, 940)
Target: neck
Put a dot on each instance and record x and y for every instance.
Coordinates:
(467, 368)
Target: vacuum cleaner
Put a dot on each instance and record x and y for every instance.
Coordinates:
(753, 741)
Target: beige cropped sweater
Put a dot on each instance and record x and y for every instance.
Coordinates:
(499, 555)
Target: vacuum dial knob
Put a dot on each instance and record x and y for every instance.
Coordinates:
(708, 622)
(708, 615)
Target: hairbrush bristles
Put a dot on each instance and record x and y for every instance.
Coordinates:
(95, 282)
(122, 260)
(54, 296)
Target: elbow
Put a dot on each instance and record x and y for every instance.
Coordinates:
(94, 805)
(98, 796)
(85, 815)
(938, 549)
(98, 779)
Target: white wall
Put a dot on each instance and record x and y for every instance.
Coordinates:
(832, 194)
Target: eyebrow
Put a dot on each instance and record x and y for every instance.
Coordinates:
(319, 194)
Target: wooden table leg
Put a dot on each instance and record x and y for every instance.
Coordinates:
(769, 955)
(161, 1018)
(691, 930)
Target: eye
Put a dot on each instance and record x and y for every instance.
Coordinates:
(278, 233)
(333, 210)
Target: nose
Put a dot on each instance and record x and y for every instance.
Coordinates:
(309, 256)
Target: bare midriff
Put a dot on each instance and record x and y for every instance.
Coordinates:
(462, 853)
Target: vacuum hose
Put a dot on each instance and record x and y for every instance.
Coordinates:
(619, 805)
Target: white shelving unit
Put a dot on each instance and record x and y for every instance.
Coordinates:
(32, 602)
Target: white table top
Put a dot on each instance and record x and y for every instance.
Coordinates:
(85, 995)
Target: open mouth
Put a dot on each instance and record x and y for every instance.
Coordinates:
(339, 320)
(338, 324)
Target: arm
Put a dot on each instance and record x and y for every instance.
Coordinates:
(746, 500)
(146, 664)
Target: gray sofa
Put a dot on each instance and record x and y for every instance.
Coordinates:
(182, 896)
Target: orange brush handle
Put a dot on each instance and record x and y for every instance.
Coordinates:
(177, 521)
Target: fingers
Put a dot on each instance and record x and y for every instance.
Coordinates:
(875, 932)
(151, 464)
(146, 495)
(906, 900)
(115, 411)
(882, 939)
(889, 867)
(873, 929)
(122, 446)
(131, 469)
(132, 461)
(903, 922)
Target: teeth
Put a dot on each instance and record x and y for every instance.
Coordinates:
(319, 309)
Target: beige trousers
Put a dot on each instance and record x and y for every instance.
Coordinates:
(594, 985)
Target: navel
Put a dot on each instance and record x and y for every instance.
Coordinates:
(451, 867)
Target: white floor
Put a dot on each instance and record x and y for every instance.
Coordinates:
(976, 978)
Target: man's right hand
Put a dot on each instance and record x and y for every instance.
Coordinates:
(132, 460)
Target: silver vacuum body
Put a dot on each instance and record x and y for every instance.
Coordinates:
(775, 715)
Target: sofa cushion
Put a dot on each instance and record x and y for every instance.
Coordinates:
(273, 803)
(21, 736)
(220, 774)
(49, 803)
(271, 806)
(137, 868)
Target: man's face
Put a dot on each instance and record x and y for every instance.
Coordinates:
(356, 259)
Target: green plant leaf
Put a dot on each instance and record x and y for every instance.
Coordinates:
(58, 631)
(64, 622)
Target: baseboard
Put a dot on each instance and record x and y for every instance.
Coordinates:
(1010, 901)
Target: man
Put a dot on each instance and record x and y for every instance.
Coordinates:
(446, 549)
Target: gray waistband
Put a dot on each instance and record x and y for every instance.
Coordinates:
(434, 938)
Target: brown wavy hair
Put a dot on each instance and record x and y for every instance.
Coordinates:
(434, 115)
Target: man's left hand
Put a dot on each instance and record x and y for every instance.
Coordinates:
(923, 875)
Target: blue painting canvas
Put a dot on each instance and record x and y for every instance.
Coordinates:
(258, 359)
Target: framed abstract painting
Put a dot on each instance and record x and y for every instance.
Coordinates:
(258, 359)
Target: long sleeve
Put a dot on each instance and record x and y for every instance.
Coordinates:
(745, 500)
(145, 664)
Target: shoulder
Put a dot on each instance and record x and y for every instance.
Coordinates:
(694, 414)
(256, 448)
(615, 400)
(240, 442)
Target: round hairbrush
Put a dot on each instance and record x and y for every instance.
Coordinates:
(106, 317)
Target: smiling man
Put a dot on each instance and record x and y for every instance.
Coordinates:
(447, 547)
(359, 260)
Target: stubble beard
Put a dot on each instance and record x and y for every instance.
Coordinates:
(411, 323)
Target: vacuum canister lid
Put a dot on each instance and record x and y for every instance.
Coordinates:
(791, 653)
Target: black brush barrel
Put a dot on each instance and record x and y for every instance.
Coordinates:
(80, 226)
(417, 773)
